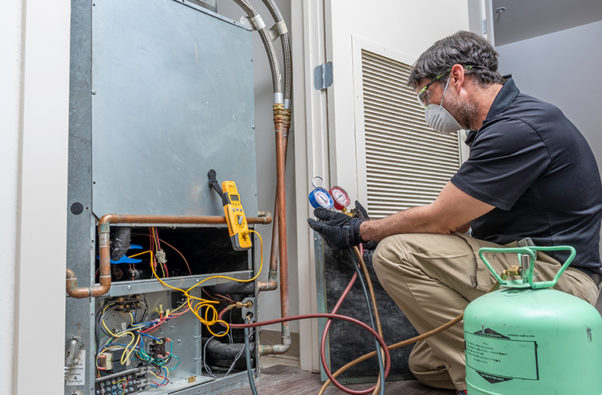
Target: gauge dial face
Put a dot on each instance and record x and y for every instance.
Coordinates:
(320, 197)
(340, 196)
(341, 199)
(323, 198)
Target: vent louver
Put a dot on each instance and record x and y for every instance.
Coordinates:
(407, 163)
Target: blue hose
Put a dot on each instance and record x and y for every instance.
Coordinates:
(248, 358)
(381, 366)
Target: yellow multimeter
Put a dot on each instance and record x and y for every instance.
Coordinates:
(235, 217)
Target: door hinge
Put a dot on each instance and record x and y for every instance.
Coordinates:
(323, 76)
(484, 26)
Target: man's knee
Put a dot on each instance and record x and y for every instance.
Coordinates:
(388, 253)
(397, 249)
(378, 258)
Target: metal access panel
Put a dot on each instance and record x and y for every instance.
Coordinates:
(161, 91)
(172, 97)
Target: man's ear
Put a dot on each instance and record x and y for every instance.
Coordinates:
(457, 77)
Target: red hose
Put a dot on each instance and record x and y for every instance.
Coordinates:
(323, 346)
(330, 316)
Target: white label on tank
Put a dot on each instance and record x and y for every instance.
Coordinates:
(502, 357)
(76, 374)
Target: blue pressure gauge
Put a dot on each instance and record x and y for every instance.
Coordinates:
(320, 197)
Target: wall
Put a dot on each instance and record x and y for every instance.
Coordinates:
(269, 302)
(562, 68)
(34, 75)
(405, 27)
(10, 99)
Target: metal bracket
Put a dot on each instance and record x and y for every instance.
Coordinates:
(249, 310)
(323, 76)
(278, 30)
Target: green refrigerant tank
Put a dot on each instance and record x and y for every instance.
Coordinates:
(529, 339)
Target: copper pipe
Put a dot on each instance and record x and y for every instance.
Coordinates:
(173, 219)
(104, 228)
(272, 283)
(281, 119)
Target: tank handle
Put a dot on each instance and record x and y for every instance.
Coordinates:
(530, 251)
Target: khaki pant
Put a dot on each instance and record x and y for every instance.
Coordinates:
(432, 278)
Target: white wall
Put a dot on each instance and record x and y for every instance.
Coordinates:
(10, 100)
(407, 27)
(34, 75)
(269, 302)
(562, 68)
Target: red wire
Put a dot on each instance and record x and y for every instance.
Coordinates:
(156, 235)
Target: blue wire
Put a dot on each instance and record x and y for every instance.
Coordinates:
(381, 367)
(152, 337)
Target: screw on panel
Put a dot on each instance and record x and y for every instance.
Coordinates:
(93, 92)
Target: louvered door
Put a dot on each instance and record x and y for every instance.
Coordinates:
(406, 162)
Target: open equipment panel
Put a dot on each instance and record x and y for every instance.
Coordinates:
(160, 93)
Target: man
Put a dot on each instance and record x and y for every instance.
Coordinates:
(530, 178)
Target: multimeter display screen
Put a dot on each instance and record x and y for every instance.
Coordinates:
(234, 198)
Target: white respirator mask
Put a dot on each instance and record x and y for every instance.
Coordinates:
(438, 118)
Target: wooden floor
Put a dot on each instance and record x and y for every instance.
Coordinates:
(281, 379)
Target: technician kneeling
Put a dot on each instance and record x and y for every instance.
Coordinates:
(530, 178)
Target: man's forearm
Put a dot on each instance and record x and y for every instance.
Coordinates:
(414, 220)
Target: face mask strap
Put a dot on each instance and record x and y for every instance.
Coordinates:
(445, 90)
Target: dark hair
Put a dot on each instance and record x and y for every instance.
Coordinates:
(463, 48)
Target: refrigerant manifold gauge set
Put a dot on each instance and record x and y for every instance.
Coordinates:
(335, 198)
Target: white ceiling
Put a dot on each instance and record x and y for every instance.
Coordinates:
(529, 18)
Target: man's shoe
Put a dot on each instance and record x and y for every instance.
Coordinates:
(460, 392)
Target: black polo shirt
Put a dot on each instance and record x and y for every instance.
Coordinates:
(531, 163)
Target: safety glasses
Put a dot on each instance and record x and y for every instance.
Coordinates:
(424, 95)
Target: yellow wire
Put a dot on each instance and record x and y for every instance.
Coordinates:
(108, 330)
(154, 235)
(177, 308)
(125, 355)
(123, 389)
(140, 253)
(130, 352)
(127, 351)
(206, 303)
(160, 378)
(202, 303)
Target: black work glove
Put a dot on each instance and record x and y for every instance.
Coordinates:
(339, 230)
(361, 213)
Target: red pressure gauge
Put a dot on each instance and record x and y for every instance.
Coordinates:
(340, 197)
